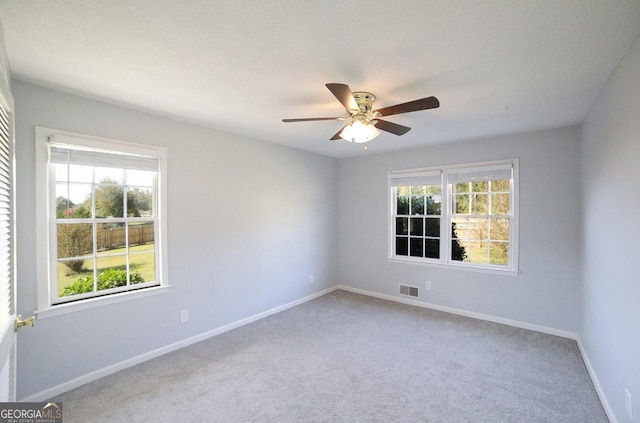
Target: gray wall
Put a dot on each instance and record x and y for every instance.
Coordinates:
(248, 222)
(546, 293)
(611, 177)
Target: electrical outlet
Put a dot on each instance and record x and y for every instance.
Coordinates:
(311, 278)
(628, 403)
(427, 285)
(184, 316)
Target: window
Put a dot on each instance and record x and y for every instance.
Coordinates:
(418, 208)
(103, 207)
(462, 215)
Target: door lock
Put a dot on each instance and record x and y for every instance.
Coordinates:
(31, 321)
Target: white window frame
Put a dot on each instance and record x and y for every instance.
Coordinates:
(46, 243)
(446, 216)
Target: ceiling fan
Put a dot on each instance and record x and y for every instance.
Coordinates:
(364, 122)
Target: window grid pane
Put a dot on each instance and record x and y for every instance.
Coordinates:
(478, 202)
(478, 236)
(104, 229)
(417, 221)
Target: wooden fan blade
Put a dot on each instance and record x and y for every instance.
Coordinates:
(411, 106)
(391, 127)
(312, 119)
(337, 134)
(344, 95)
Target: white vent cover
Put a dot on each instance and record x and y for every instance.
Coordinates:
(411, 291)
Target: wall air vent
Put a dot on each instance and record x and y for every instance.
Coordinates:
(411, 291)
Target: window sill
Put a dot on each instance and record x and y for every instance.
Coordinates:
(65, 308)
(472, 268)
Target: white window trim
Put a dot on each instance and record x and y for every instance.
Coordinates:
(445, 261)
(45, 307)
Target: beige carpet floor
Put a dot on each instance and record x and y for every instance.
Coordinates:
(345, 357)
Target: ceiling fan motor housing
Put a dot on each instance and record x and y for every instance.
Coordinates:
(364, 100)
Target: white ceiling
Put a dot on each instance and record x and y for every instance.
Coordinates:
(497, 66)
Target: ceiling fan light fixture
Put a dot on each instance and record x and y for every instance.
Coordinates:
(359, 132)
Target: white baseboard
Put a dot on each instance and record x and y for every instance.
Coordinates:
(479, 316)
(596, 383)
(90, 377)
